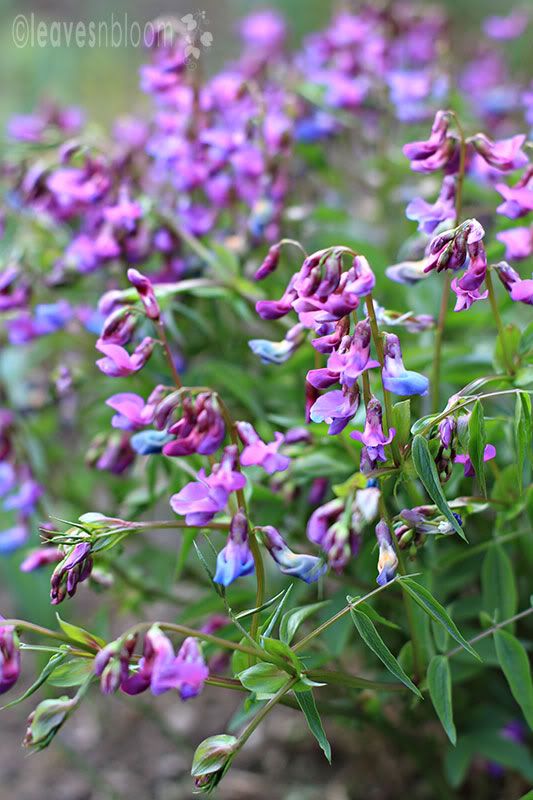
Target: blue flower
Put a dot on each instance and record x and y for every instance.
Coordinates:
(235, 559)
(147, 442)
(396, 378)
(297, 565)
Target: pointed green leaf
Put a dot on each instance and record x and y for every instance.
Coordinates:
(401, 415)
(54, 662)
(373, 640)
(71, 673)
(522, 432)
(498, 584)
(476, 444)
(251, 611)
(436, 611)
(306, 701)
(263, 679)
(78, 634)
(291, 620)
(440, 691)
(427, 472)
(515, 665)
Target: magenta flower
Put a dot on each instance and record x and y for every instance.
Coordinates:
(200, 500)
(132, 412)
(352, 358)
(73, 569)
(270, 263)
(328, 528)
(505, 28)
(518, 199)
(25, 498)
(518, 242)
(466, 297)
(235, 559)
(336, 408)
(489, 453)
(373, 437)
(388, 560)
(307, 568)
(146, 292)
(257, 453)
(504, 155)
(118, 363)
(200, 429)
(437, 152)
(41, 557)
(396, 378)
(9, 657)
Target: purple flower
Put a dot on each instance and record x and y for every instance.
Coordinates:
(466, 297)
(373, 437)
(118, 363)
(41, 557)
(279, 352)
(200, 429)
(25, 498)
(518, 199)
(270, 263)
(200, 500)
(407, 272)
(469, 471)
(111, 453)
(504, 155)
(146, 292)
(235, 559)
(263, 31)
(447, 428)
(388, 560)
(328, 528)
(13, 538)
(518, 242)
(522, 292)
(336, 408)
(112, 663)
(9, 657)
(396, 378)
(506, 28)
(437, 152)
(307, 568)
(430, 216)
(132, 411)
(257, 453)
(73, 569)
(352, 357)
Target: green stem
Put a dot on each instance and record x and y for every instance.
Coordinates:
(499, 324)
(33, 628)
(267, 708)
(183, 630)
(339, 615)
(168, 352)
(491, 630)
(439, 333)
(381, 358)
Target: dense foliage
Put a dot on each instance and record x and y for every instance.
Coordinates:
(336, 463)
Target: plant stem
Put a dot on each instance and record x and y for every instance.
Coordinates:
(186, 631)
(491, 630)
(168, 352)
(499, 323)
(381, 358)
(439, 333)
(33, 628)
(339, 615)
(267, 708)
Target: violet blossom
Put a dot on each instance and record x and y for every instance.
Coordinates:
(469, 471)
(9, 657)
(388, 560)
(235, 559)
(373, 437)
(257, 453)
(430, 216)
(396, 378)
(118, 362)
(307, 568)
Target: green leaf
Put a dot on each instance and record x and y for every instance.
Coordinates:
(427, 472)
(436, 611)
(522, 433)
(267, 628)
(54, 662)
(78, 634)
(71, 673)
(512, 343)
(306, 701)
(401, 415)
(373, 640)
(515, 666)
(263, 679)
(283, 653)
(440, 691)
(251, 611)
(476, 444)
(291, 620)
(372, 614)
(498, 584)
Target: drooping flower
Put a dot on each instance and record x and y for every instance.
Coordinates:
(270, 262)
(118, 362)
(279, 352)
(146, 292)
(518, 242)
(257, 453)
(504, 155)
(373, 437)
(235, 559)
(429, 216)
(9, 657)
(200, 500)
(396, 378)
(518, 199)
(469, 471)
(506, 28)
(352, 357)
(336, 408)
(112, 663)
(41, 557)
(132, 411)
(307, 568)
(438, 152)
(75, 568)
(200, 429)
(388, 560)
(329, 527)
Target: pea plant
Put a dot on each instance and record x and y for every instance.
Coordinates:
(343, 488)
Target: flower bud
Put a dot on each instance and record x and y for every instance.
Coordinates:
(46, 720)
(212, 760)
(146, 292)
